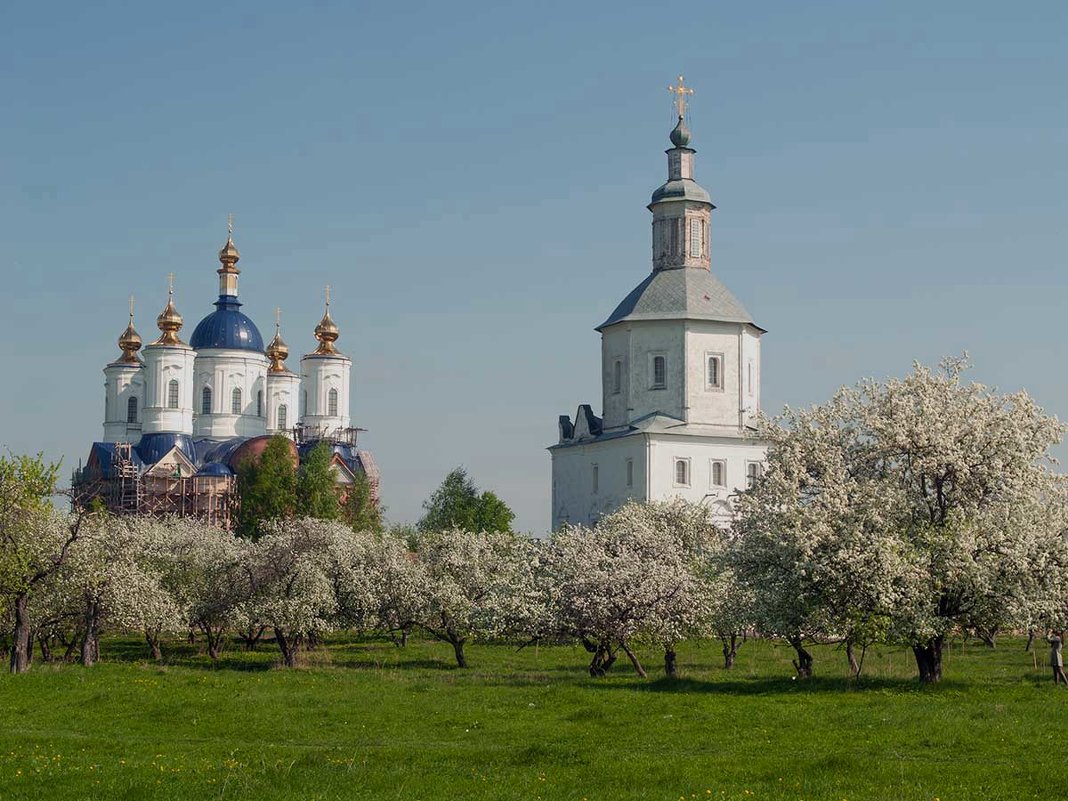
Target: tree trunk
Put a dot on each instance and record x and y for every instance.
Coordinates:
(929, 659)
(604, 656)
(988, 636)
(20, 650)
(214, 639)
(152, 638)
(91, 642)
(634, 660)
(803, 663)
(854, 666)
(458, 650)
(46, 648)
(1030, 640)
(671, 663)
(289, 646)
(251, 636)
(730, 649)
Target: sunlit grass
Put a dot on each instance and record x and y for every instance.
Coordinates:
(368, 720)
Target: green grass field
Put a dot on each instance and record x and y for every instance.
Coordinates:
(368, 720)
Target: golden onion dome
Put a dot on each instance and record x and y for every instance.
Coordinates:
(130, 342)
(229, 254)
(169, 323)
(277, 352)
(327, 333)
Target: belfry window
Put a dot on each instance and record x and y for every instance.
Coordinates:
(282, 417)
(331, 403)
(172, 394)
(659, 372)
(205, 400)
(131, 410)
(235, 401)
(695, 237)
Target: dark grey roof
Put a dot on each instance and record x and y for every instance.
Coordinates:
(681, 189)
(682, 294)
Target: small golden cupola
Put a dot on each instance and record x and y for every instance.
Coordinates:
(130, 340)
(229, 257)
(326, 332)
(169, 320)
(277, 350)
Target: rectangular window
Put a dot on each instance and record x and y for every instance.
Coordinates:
(695, 238)
(617, 377)
(718, 473)
(682, 472)
(172, 394)
(596, 479)
(630, 472)
(659, 372)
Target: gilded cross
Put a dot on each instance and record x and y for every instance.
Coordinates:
(230, 224)
(170, 284)
(131, 306)
(277, 318)
(328, 296)
(680, 93)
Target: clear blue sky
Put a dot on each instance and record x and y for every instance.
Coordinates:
(471, 179)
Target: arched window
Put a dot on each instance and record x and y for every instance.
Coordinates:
(282, 417)
(714, 372)
(753, 471)
(205, 400)
(172, 394)
(131, 410)
(717, 474)
(259, 403)
(331, 403)
(235, 401)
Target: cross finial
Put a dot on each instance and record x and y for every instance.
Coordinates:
(328, 296)
(277, 319)
(230, 226)
(131, 307)
(681, 91)
(170, 285)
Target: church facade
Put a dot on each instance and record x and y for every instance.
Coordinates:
(680, 376)
(180, 418)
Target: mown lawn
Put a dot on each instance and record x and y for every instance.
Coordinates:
(368, 720)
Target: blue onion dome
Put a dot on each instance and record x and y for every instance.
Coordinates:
(680, 135)
(226, 327)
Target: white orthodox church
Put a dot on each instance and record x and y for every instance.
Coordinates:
(180, 418)
(680, 375)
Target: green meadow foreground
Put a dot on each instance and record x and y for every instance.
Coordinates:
(368, 720)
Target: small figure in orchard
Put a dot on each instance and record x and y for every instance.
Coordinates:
(1056, 658)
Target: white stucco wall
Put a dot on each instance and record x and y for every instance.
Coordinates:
(223, 370)
(283, 389)
(163, 364)
(318, 375)
(122, 380)
(574, 499)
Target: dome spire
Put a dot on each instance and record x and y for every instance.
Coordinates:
(680, 135)
(130, 340)
(169, 320)
(326, 332)
(229, 257)
(277, 351)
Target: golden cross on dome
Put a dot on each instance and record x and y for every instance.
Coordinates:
(277, 318)
(328, 296)
(131, 306)
(170, 284)
(230, 224)
(680, 93)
